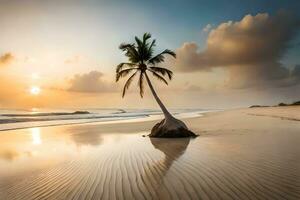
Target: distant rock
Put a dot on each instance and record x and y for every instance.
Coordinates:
(80, 112)
(297, 103)
(282, 104)
(257, 106)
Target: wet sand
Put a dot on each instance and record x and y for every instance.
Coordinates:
(241, 154)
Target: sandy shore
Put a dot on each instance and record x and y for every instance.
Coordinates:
(241, 154)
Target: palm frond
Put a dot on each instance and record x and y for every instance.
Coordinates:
(141, 84)
(147, 47)
(123, 73)
(122, 65)
(130, 51)
(146, 36)
(161, 57)
(163, 71)
(152, 45)
(138, 41)
(149, 50)
(140, 59)
(124, 46)
(127, 84)
(140, 48)
(159, 77)
(145, 53)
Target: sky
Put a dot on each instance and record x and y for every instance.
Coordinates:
(63, 54)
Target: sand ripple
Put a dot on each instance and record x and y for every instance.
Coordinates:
(218, 167)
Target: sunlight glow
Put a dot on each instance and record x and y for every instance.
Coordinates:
(36, 136)
(35, 90)
(34, 109)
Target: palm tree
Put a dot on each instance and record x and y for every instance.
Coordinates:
(141, 61)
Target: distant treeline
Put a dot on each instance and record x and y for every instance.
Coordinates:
(297, 103)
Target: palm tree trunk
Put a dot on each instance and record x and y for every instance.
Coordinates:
(161, 105)
(170, 126)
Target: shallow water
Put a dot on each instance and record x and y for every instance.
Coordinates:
(16, 119)
(79, 162)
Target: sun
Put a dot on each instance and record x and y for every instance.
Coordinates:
(35, 90)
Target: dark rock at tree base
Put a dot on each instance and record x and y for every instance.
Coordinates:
(160, 130)
(176, 133)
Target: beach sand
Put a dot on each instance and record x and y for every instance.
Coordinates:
(240, 154)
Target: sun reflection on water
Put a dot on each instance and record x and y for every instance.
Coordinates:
(36, 136)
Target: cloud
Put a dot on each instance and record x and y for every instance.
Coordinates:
(207, 28)
(74, 59)
(6, 59)
(91, 82)
(295, 74)
(191, 87)
(250, 49)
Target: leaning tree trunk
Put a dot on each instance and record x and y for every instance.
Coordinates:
(169, 127)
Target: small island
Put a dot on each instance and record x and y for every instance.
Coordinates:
(296, 103)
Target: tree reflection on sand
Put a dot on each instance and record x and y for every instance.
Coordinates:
(172, 149)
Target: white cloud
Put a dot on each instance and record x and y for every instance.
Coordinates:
(207, 28)
(91, 82)
(250, 49)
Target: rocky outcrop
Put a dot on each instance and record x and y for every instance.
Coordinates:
(171, 128)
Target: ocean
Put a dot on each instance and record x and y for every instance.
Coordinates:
(16, 119)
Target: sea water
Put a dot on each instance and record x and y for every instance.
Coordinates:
(16, 119)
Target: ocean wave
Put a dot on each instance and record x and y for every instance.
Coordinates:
(46, 114)
(15, 120)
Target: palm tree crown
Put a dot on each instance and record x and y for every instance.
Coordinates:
(141, 59)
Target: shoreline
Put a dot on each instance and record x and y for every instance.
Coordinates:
(112, 121)
(237, 156)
